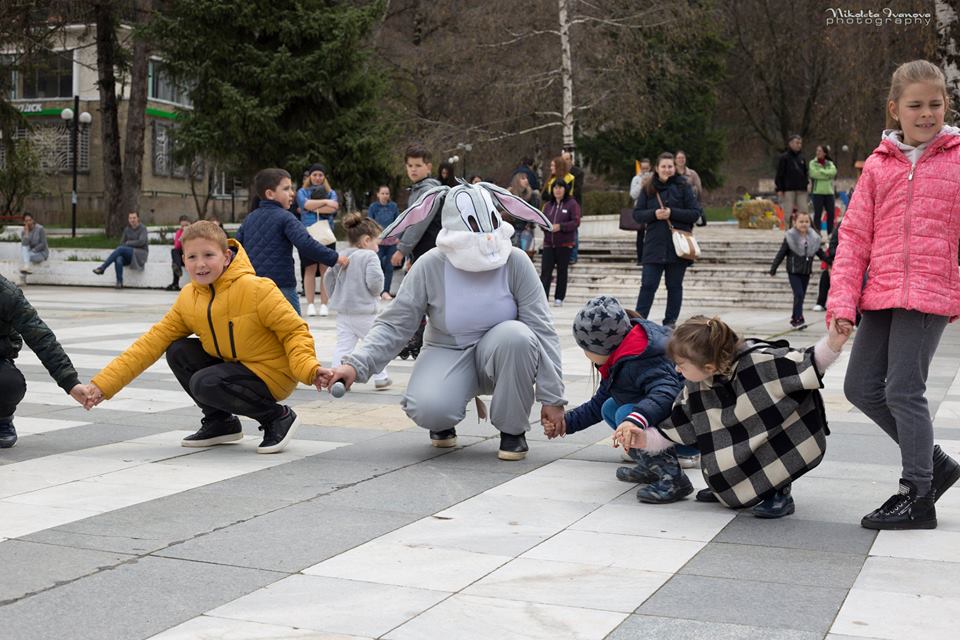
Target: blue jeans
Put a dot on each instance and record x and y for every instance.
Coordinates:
(290, 293)
(121, 257)
(798, 282)
(650, 282)
(575, 254)
(613, 414)
(385, 252)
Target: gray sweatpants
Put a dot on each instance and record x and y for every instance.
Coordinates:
(503, 363)
(887, 378)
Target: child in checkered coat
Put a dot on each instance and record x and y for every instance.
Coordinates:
(752, 407)
(638, 385)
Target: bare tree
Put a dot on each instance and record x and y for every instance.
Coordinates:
(948, 50)
(132, 171)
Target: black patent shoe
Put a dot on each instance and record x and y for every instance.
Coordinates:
(777, 505)
(946, 472)
(213, 432)
(706, 495)
(512, 447)
(277, 434)
(903, 510)
(8, 434)
(444, 439)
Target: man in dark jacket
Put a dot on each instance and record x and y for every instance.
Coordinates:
(19, 322)
(791, 180)
(269, 233)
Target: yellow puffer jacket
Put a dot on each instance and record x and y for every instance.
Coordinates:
(239, 318)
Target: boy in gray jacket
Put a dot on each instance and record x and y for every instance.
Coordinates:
(354, 292)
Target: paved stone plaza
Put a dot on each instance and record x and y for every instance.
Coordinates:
(360, 529)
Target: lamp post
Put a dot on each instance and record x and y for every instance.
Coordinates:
(466, 147)
(76, 118)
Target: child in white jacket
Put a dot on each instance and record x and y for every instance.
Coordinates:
(355, 291)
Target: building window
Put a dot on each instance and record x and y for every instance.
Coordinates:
(163, 161)
(51, 141)
(161, 87)
(47, 75)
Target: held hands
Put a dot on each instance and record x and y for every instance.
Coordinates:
(552, 419)
(89, 395)
(326, 377)
(663, 214)
(629, 436)
(839, 333)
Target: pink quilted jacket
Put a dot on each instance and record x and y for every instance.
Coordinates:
(901, 230)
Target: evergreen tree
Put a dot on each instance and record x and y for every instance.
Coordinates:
(279, 83)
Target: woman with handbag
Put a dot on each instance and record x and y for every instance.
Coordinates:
(318, 205)
(668, 207)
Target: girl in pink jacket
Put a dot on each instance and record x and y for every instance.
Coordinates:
(897, 264)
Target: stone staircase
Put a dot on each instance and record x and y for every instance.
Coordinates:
(734, 270)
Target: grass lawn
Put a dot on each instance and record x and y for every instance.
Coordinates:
(716, 214)
(99, 241)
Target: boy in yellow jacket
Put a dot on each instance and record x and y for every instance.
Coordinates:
(252, 347)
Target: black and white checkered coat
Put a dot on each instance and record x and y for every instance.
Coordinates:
(758, 429)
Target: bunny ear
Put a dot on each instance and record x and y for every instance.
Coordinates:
(424, 208)
(516, 207)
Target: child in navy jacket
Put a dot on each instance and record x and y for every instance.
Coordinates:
(638, 385)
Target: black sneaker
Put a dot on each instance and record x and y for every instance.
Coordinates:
(8, 434)
(706, 495)
(444, 439)
(98, 271)
(946, 471)
(904, 510)
(512, 447)
(277, 434)
(214, 432)
(778, 505)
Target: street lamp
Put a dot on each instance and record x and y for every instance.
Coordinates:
(84, 118)
(466, 147)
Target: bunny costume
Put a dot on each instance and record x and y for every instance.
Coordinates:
(490, 328)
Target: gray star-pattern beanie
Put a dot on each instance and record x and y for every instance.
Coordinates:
(601, 325)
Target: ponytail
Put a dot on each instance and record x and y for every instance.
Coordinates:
(705, 341)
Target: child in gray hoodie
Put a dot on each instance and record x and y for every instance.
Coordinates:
(355, 291)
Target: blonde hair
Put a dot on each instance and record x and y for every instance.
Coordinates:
(359, 225)
(909, 73)
(206, 230)
(705, 341)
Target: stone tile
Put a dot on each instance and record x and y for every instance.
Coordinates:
(906, 575)
(637, 626)
(482, 456)
(396, 449)
(838, 500)
(792, 607)
(943, 546)
(570, 584)
(614, 550)
(409, 566)
(348, 607)
(475, 618)
(878, 449)
(882, 614)
(223, 629)
(135, 600)
(656, 522)
(775, 564)
(794, 533)
(24, 519)
(289, 539)
(29, 567)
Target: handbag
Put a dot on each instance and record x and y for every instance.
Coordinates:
(627, 223)
(321, 232)
(684, 243)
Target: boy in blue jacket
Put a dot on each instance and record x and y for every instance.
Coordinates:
(269, 233)
(638, 385)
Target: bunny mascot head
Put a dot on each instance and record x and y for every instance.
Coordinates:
(473, 237)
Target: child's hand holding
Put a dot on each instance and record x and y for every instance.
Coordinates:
(630, 436)
(343, 260)
(89, 395)
(322, 380)
(552, 419)
(838, 334)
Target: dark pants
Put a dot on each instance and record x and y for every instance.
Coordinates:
(220, 388)
(12, 388)
(887, 380)
(385, 253)
(575, 254)
(558, 257)
(824, 289)
(799, 285)
(650, 282)
(121, 257)
(176, 262)
(825, 204)
(640, 236)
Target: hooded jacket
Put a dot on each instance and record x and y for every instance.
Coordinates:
(901, 230)
(239, 318)
(638, 372)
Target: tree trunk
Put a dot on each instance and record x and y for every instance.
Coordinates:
(107, 58)
(948, 51)
(566, 74)
(136, 117)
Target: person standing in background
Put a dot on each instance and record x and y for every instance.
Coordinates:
(822, 172)
(384, 211)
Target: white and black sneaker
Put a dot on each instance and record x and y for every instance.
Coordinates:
(277, 434)
(215, 432)
(512, 447)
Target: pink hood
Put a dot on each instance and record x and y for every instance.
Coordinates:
(901, 230)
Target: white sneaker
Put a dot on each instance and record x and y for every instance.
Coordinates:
(817, 307)
(383, 383)
(324, 312)
(25, 268)
(311, 310)
(558, 303)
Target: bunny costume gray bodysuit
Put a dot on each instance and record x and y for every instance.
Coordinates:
(490, 329)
